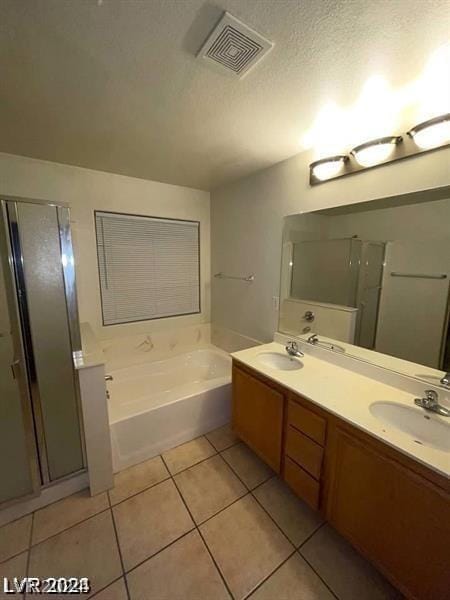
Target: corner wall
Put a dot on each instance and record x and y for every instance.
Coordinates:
(86, 190)
(247, 222)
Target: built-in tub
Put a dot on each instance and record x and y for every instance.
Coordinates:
(157, 405)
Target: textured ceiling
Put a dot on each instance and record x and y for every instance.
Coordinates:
(114, 85)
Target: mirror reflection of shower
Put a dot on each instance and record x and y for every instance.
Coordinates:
(374, 275)
(350, 278)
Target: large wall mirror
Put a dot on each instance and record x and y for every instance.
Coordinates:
(372, 280)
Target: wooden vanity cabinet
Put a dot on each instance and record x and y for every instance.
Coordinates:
(393, 509)
(257, 415)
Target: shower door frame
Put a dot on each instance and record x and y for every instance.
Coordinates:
(19, 366)
(31, 404)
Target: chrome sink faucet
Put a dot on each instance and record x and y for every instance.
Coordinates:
(431, 403)
(446, 380)
(292, 349)
(313, 339)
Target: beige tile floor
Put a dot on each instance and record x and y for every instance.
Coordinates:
(205, 521)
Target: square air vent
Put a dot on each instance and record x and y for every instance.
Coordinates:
(234, 47)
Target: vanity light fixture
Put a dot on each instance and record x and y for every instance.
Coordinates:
(432, 133)
(325, 168)
(428, 136)
(376, 151)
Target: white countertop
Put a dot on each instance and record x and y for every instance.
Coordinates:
(348, 395)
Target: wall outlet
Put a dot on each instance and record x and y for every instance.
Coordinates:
(276, 302)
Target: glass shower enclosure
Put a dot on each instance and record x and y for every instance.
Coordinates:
(41, 432)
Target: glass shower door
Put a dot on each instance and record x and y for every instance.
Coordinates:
(47, 272)
(41, 430)
(19, 469)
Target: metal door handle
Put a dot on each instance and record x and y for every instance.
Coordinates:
(109, 378)
(15, 369)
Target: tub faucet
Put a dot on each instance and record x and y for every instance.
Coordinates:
(292, 349)
(431, 402)
(446, 379)
(313, 339)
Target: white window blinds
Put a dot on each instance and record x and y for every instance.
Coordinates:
(149, 267)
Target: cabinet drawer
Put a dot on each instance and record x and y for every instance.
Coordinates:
(307, 421)
(304, 451)
(305, 486)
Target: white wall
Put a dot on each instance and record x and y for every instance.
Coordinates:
(420, 221)
(86, 190)
(247, 221)
(413, 312)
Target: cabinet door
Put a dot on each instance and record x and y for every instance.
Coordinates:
(397, 518)
(258, 416)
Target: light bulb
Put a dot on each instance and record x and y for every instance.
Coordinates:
(375, 152)
(432, 133)
(327, 167)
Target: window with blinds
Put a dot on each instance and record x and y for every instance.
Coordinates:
(149, 267)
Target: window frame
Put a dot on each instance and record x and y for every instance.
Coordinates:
(123, 214)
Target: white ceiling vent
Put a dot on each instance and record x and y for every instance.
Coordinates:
(234, 46)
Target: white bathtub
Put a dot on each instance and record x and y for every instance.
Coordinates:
(157, 405)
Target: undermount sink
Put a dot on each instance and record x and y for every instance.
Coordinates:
(275, 360)
(424, 427)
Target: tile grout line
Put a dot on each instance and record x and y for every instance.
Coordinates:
(250, 493)
(311, 535)
(111, 506)
(32, 512)
(107, 586)
(273, 520)
(215, 453)
(70, 527)
(247, 493)
(239, 477)
(169, 476)
(259, 503)
(309, 564)
(226, 447)
(201, 537)
(27, 549)
(274, 476)
(27, 568)
(145, 489)
(195, 525)
(18, 518)
(296, 548)
(147, 558)
(263, 581)
(118, 548)
(319, 575)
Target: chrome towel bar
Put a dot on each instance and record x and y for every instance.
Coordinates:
(249, 278)
(419, 275)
